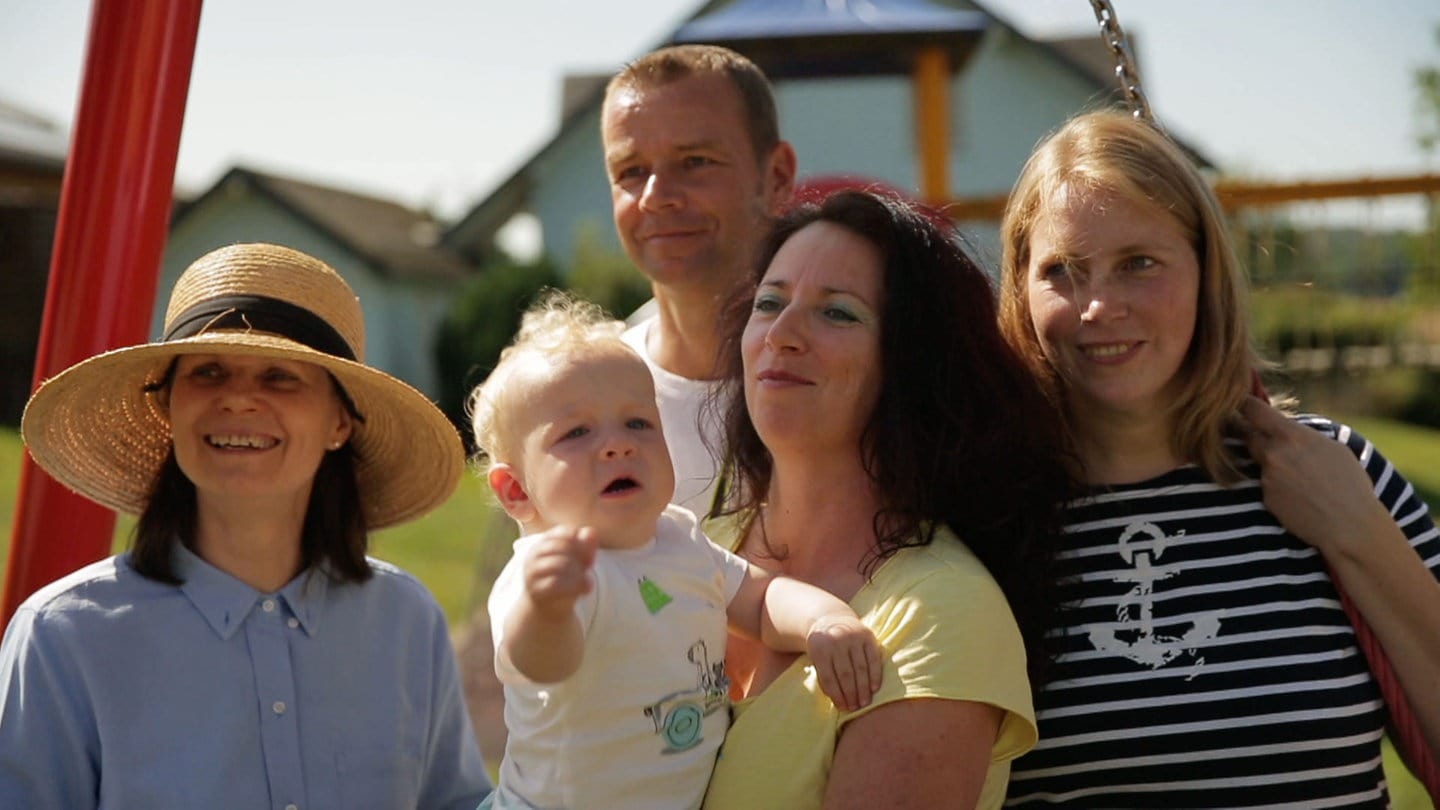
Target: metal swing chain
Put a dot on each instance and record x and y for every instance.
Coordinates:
(1125, 71)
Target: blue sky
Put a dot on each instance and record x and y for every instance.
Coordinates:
(436, 101)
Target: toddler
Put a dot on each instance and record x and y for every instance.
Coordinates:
(610, 620)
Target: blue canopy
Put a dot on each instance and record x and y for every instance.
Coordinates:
(791, 38)
(789, 19)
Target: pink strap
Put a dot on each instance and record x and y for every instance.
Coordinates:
(1407, 728)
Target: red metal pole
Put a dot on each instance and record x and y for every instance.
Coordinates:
(109, 239)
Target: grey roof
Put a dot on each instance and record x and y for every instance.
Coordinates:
(30, 139)
(399, 242)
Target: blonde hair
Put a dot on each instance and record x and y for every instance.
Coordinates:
(557, 326)
(1110, 152)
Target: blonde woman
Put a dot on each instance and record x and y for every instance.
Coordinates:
(1204, 660)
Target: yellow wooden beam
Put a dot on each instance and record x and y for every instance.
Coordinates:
(931, 81)
(1234, 195)
(1238, 194)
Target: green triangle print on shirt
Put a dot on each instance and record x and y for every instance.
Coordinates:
(654, 597)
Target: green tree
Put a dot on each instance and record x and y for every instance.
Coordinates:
(1272, 247)
(1427, 105)
(605, 276)
(1425, 281)
(485, 315)
(480, 323)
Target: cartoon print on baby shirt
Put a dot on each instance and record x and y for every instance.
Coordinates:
(679, 717)
(654, 597)
(1134, 633)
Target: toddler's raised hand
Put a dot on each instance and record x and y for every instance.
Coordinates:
(558, 569)
(846, 658)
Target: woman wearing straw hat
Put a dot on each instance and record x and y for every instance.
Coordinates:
(244, 652)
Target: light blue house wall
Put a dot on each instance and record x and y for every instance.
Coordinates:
(1009, 94)
(1012, 94)
(571, 195)
(401, 318)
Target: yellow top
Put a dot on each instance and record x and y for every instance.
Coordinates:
(947, 632)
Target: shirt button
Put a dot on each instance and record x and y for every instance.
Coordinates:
(278, 706)
(268, 605)
(294, 623)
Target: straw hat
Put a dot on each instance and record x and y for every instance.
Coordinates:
(96, 429)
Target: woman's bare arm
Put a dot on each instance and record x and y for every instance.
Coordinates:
(920, 753)
(1321, 494)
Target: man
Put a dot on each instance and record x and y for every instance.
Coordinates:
(697, 170)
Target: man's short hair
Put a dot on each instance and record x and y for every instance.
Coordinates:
(677, 62)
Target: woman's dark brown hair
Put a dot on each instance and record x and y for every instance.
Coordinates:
(961, 435)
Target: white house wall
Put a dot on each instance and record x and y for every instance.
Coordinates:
(400, 320)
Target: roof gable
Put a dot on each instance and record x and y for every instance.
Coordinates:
(31, 140)
(399, 242)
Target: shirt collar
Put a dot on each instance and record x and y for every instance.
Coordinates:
(305, 595)
(225, 601)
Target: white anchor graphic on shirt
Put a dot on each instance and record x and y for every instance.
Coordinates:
(1134, 634)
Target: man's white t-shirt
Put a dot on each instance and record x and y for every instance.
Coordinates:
(680, 400)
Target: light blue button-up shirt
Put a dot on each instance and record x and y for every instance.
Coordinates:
(117, 691)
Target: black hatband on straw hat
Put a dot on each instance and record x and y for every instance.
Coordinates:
(263, 314)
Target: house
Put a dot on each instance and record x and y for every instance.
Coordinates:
(32, 164)
(390, 255)
(1006, 91)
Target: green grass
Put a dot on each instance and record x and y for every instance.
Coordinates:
(10, 451)
(451, 549)
(1406, 792)
(446, 549)
(1413, 450)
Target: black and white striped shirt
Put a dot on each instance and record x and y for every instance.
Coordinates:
(1207, 661)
